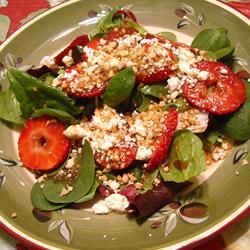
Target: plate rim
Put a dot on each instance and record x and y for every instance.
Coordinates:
(210, 233)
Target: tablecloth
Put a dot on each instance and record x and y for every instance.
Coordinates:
(235, 238)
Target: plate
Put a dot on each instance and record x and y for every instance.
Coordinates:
(225, 193)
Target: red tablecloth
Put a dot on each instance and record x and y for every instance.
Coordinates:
(28, 9)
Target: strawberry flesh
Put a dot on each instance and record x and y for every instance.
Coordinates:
(42, 144)
(164, 140)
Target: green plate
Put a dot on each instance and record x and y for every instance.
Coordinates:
(225, 193)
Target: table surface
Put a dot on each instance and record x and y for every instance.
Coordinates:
(236, 237)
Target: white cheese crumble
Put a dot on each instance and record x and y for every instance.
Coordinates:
(100, 208)
(223, 71)
(74, 132)
(143, 153)
(48, 61)
(117, 202)
(202, 76)
(174, 83)
(114, 185)
(68, 60)
(114, 202)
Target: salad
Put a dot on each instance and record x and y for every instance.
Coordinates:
(126, 114)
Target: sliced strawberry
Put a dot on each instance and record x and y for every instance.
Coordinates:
(118, 32)
(156, 75)
(80, 92)
(42, 144)
(223, 91)
(125, 152)
(79, 41)
(94, 44)
(163, 141)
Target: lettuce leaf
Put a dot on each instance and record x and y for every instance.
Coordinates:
(187, 158)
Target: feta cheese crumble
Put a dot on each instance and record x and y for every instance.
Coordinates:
(114, 202)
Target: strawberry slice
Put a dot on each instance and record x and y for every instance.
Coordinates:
(125, 155)
(163, 141)
(152, 75)
(223, 91)
(79, 41)
(42, 144)
(119, 32)
(80, 92)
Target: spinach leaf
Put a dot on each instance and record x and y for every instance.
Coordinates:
(145, 102)
(168, 35)
(81, 185)
(238, 125)
(214, 40)
(34, 94)
(137, 27)
(63, 116)
(119, 88)
(156, 90)
(187, 158)
(224, 52)
(10, 107)
(179, 103)
(47, 78)
(137, 172)
(39, 201)
(107, 22)
(90, 194)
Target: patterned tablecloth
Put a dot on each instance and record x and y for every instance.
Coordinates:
(235, 238)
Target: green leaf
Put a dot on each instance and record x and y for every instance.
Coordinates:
(137, 27)
(146, 101)
(47, 78)
(90, 194)
(107, 22)
(34, 94)
(238, 125)
(81, 185)
(39, 201)
(179, 103)
(137, 172)
(168, 35)
(224, 52)
(10, 107)
(156, 90)
(148, 180)
(214, 40)
(63, 116)
(187, 158)
(119, 88)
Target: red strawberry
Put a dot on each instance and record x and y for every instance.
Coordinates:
(125, 152)
(42, 144)
(163, 142)
(223, 91)
(80, 40)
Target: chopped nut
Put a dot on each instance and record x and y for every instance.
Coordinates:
(14, 215)
(138, 185)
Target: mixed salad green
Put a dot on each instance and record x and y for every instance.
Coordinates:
(126, 113)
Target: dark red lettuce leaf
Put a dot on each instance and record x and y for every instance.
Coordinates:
(149, 202)
(104, 191)
(39, 72)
